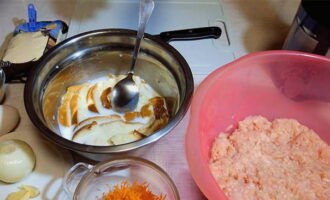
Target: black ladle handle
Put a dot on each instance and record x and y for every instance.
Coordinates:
(191, 34)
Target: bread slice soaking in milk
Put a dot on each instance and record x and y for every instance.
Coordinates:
(64, 112)
(100, 95)
(101, 134)
(86, 115)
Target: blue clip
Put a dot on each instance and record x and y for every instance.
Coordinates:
(32, 13)
(33, 25)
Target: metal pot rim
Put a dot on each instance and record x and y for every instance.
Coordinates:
(68, 144)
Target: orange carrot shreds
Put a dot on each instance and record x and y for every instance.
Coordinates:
(136, 191)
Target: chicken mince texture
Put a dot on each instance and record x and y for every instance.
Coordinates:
(266, 160)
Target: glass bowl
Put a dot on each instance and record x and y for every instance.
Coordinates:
(274, 84)
(88, 182)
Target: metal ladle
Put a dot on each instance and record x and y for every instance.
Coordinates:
(125, 94)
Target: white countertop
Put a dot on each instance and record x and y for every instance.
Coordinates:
(251, 25)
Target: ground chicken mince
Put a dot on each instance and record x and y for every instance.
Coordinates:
(271, 160)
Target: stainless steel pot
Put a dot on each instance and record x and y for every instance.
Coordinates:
(97, 53)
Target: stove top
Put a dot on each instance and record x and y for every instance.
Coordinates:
(203, 56)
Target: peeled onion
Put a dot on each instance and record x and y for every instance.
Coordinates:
(17, 160)
(9, 118)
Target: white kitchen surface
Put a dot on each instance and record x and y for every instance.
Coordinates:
(248, 26)
(167, 15)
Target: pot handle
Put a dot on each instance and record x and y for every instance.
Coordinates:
(16, 71)
(73, 177)
(191, 34)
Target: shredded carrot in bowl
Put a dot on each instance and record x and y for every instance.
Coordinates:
(136, 191)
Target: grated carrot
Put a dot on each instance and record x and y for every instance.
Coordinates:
(136, 191)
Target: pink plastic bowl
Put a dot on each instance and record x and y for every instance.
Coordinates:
(274, 84)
